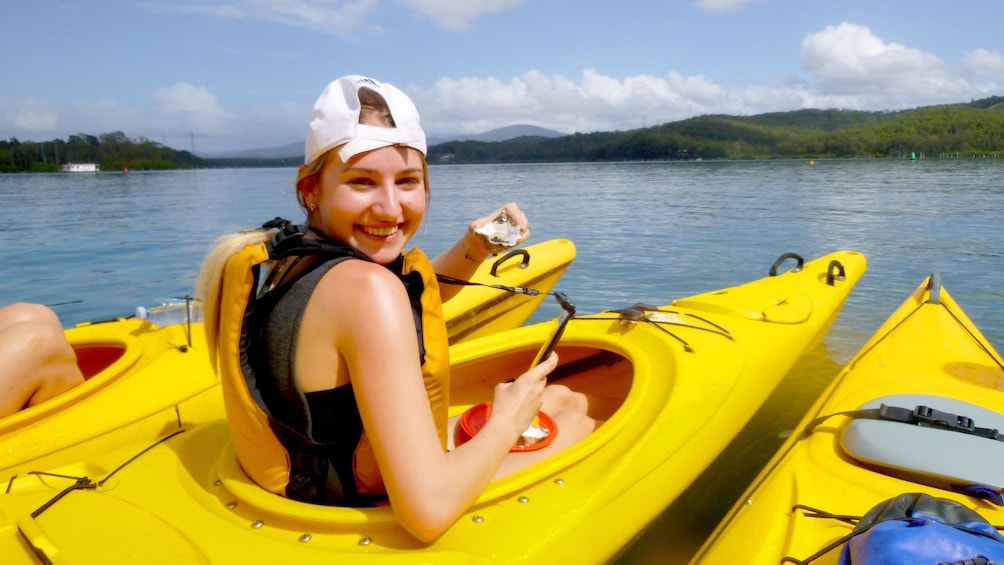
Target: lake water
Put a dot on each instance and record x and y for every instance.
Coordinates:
(98, 245)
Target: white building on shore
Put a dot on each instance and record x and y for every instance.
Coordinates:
(80, 168)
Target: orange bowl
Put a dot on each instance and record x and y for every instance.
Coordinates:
(474, 418)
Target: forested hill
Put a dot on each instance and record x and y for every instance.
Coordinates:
(976, 128)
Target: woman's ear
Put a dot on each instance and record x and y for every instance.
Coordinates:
(307, 187)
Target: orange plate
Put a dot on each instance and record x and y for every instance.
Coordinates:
(475, 417)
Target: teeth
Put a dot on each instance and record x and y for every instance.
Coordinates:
(380, 232)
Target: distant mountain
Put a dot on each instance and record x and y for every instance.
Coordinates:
(500, 134)
(295, 150)
(289, 151)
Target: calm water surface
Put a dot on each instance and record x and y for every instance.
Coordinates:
(97, 246)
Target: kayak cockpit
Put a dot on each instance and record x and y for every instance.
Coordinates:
(604, 376)
(107, 352)
(101, 357)
(92, 358)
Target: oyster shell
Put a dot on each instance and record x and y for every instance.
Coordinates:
(533, 434)
(500, 233)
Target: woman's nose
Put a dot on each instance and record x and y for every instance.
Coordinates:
(388, 200)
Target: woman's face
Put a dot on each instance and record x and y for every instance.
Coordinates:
(375, 202)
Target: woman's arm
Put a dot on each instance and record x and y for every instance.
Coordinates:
(463, 259)
(428, 488)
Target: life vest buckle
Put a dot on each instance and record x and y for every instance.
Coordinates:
(311, 464)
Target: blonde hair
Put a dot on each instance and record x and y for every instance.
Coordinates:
(209, 285)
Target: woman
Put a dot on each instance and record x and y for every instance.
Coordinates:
(353, 356)
(38, 362)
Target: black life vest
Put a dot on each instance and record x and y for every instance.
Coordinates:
(280, 454)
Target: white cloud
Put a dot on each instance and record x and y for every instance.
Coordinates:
(721, 5)
(344, 18)
(186, 98)
(28, 114)
(853, 63)
(983, 61)
(596, 103)
(229, 12)
(337, 17)
(456, 15)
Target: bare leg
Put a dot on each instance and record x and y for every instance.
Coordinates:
(38, 362)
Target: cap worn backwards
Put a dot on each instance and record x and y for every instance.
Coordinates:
(335, 120)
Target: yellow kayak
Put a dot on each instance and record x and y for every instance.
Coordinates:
(849, 454)
(144, 380)
(673, 385)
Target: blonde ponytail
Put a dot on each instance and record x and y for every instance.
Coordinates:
(209, 286)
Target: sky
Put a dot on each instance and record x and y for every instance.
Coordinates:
(218, 75)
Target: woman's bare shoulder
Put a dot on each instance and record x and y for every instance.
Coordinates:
(353, 284)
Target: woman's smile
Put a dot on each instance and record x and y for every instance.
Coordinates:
(380, 231)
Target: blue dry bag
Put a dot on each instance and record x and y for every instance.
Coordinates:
(917, 529)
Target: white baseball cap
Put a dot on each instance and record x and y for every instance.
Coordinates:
(335, 120)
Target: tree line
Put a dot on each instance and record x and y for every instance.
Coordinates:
(112, 151)
(976, 128)
(956, 130)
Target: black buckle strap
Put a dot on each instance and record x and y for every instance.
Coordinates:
(920, 415)
(926, 416)
(937, 418)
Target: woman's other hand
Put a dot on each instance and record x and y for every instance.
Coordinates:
(516, 404)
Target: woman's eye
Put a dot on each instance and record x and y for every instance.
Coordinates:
(361, 181)
(409, 182)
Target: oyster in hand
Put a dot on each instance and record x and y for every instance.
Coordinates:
(500, 233)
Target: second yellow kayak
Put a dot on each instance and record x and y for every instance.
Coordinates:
(935, 373)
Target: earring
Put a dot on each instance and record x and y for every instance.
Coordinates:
(313, 206)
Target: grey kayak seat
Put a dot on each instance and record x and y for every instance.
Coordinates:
(933, 440)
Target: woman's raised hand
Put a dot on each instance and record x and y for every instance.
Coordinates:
(515, 215)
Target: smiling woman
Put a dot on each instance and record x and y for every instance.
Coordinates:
(334, 400)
